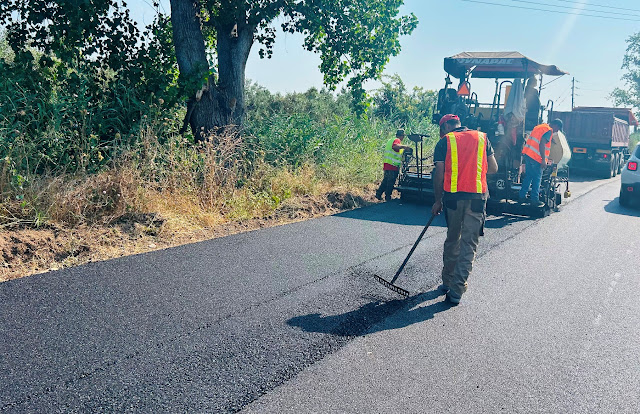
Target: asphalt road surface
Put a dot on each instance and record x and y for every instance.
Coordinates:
(289, 319)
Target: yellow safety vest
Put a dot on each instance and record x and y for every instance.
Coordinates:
(390, 156)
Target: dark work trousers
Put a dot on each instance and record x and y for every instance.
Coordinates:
(387, 184)
(465, 220)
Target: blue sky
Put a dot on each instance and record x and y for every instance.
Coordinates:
(589, 48)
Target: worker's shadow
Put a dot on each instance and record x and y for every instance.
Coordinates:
(374, 316)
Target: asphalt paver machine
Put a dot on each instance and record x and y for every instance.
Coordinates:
(507, 133)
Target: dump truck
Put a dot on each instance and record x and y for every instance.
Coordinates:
(598, 137)
(506, 70)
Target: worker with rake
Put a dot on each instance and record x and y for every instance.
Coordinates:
(462, 159)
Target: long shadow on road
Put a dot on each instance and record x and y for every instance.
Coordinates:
(409, 214)
(581, 176)
(369, 317)
(396, 212)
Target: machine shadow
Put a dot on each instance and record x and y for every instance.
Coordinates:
(614, 207)
(584, 176)
(369, 317)
(417, 214)
(395, 212)
(501, 221)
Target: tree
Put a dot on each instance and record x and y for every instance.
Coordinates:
(98, 32)
(394, 102)
(631, 63)
(354, 38)
(79, 78)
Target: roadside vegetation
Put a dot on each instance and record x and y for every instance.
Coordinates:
(633, 140)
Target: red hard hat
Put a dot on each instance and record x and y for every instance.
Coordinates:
(448, 117)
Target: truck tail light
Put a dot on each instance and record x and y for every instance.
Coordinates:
(605, 156)
(632, 166)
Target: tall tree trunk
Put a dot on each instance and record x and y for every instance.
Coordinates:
(220, 102)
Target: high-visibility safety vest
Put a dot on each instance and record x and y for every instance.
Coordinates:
(390, 156)
(465, 168)
(532, 146)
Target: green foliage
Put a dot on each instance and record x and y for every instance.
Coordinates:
(81, 90)
(95, 32)
(354, 38)
(394, 103)
(73, 116)
(633, 140)
(322, 129)
(631, 63)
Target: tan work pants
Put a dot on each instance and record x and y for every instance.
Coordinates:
(465, 219)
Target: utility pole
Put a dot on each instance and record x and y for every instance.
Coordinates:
(573, 90)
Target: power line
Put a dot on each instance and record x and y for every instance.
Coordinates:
(563, 94)
(550, 82)
(550, 11)
(574, 8)
(598, 5)
(592, 90)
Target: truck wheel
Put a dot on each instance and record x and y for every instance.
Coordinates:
(620, 163)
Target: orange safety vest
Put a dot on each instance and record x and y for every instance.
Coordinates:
(465, 168)
(532, 146)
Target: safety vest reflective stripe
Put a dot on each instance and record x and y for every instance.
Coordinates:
(466, 162)
(532, 146)
(481, 143)
(390, 156)
(453, 149)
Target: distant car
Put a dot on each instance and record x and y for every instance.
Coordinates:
(630, 179)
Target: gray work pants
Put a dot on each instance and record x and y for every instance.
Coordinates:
(465, 220)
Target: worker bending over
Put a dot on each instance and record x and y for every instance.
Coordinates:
(462, 159)
(392, 163)
(535, 154)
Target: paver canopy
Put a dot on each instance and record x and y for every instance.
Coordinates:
(496, 65)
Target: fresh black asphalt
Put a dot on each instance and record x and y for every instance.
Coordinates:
(550, 324)
(212, 326)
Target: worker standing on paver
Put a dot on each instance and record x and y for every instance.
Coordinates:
(392, 163)
(462, 159)
(535, 154)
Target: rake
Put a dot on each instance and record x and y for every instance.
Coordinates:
(390, 284)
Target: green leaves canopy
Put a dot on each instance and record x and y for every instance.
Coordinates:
(631, 63)
(72, 29)
(355, 38)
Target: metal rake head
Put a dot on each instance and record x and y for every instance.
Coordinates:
(395, 288)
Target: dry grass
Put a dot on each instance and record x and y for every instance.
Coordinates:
(164, 196)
